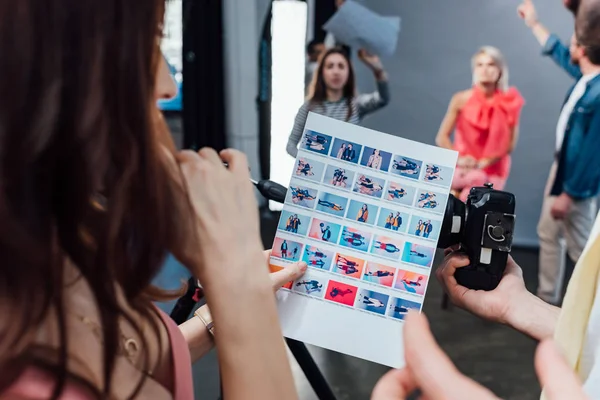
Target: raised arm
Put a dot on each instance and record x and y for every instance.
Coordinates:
(448, 123)
(550, 43)
(368, 103)
(297, 130)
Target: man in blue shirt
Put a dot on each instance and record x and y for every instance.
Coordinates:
(569, 206)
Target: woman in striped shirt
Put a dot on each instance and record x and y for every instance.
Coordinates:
(332, 93)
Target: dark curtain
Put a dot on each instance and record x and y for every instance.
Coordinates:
(263, 99)
(203, 75)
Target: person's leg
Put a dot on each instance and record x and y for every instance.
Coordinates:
(552, 249)
(579, 225)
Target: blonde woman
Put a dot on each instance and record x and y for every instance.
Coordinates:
(485, 120)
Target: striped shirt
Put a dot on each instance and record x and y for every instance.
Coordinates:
(361, 106)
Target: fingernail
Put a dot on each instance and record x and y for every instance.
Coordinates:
(303, 266)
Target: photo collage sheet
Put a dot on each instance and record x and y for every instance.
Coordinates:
(364, 210)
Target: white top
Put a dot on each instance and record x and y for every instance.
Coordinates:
(567, 110)
(590, 357)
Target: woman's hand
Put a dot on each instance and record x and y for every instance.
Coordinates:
(429, 369)
(370, 60)
(467, 162)
(226, 212)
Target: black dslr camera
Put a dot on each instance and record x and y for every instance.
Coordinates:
(484, 229)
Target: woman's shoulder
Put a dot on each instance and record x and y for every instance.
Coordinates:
(459, 99)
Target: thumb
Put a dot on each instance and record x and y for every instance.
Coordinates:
(287, 274)
(394, 385)
(433, 371)
(555, 375)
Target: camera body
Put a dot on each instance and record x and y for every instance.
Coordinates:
(483, 226)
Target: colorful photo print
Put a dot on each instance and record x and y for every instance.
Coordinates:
(307, 168)
(324, 230)
(311, 284)
(286, 249)
(345, 151)
(376, 159)
(369, 185)
(406, 167)
(399, 307)
(341, 293)
(418, 254)
(338, 177)
(400, 193)
(424, 227)
(293, 222)
(348, 266)
(387, 247)
(316, 142)
(316, 257)
(355, 239)
(438, 174)
(332, 204)
(379, 274)
(431, 201)
(301, 196)
(411, 282)
(362, 212)
(372, 301)
(393, 220)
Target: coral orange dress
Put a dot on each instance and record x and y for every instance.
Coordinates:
(484, 129)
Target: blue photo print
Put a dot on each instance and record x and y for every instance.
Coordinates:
(369, 185)
(317, 257)
(431, 201)
(310, 169)
(425, 227)
(311, 284)
(355, 239)
(406, 167)
(418, 254)
(339, 177)
(345, 150)
(332, 204)
(372, 301)
(393, 220)
(399, 307)
(438, 174)
(316, 142)
(301, 196)
(294, 223)
(400, 193)
(376, 159)
(360, 211)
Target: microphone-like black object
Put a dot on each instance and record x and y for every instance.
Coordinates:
(271, 190)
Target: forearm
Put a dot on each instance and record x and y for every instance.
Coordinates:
(198, 338)
(533, 317)
(380, 75)
(444, 142)
(540, 32)
(250, 345)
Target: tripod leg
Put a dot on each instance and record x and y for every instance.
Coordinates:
(311, 370)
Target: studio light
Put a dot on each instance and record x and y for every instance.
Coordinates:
(288, 29)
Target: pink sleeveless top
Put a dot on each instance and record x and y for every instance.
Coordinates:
(483, 127)
(37, 384)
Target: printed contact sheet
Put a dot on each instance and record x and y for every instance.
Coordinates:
(364, 210)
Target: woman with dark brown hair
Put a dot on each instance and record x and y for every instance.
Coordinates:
(93, 196)
(332, 92)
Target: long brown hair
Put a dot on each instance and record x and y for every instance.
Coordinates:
(77, 123)
(317, 92)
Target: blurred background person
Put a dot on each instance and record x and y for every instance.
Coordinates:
(333, 93)
(485, 121)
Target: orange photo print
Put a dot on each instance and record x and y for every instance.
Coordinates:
(348, 266)
(341, 293)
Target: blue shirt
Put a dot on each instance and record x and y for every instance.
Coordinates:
(578, 172)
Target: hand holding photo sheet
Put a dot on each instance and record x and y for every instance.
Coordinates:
(364, 210)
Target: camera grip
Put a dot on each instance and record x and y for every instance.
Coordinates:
(483, 276)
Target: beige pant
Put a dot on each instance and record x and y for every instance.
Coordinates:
(561, 237)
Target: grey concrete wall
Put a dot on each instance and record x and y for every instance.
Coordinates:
(432, 62)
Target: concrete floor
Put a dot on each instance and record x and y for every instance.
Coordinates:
(494, 355)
